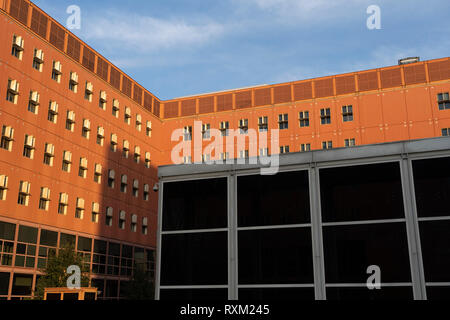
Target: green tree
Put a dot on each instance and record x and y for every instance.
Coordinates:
(141, 285)
(54, 274)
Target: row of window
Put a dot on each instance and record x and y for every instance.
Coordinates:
(38, 61)
(63, 204)
(7, 140)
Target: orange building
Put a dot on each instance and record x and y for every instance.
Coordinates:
(81, 141)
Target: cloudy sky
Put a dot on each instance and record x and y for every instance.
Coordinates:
(176, 48)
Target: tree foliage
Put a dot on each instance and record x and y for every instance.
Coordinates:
(141, 285)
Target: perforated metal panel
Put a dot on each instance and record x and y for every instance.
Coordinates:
(303, 91)
(324, 88)
(39, 23)
(368, 81)
(114, 78)
(282, 94)
(137, 94)
(391, 78)
(73, 48)
(19, 10)
(439, 70)
(206, 105)
(263, 97)
(126, 86)
(188, 107)
(147, 101)
(102, 68)
(57, 36)
(345, 84)
(156, 108)
(415, 74)
(243, 99)
(171, 109)
(88, 59)
(224, 102)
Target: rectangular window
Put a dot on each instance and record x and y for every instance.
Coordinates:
(88, 92)
(17, 47)
(347, 113)
(187, 133)
(224, 126)
(7, 138)
(115, 108)
(263, 123)
(243, 126)
(67, 161)
(284, 149)
(56, 71)
(327, 145)
(28, 148)
(443, 101)
(38, 60)
(283, 122)
(12, 93)
(70, 121)
(82, 172)
(325, 116)
(49, 154)
(305, 147)
(303, 117)
(206, 131)
(73, 82)
(445, 132)
(24, 193)
(52, 112)
(349, 142)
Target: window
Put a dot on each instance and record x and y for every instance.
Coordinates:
(17, 47)
(187, 159)
(224, 156)
(122, 218)
(100, 136)
(95, 212)
(144, 226)
(85, 132)
(187, 133)
(243, 126)
(149, 129)
(133, 223)
(79, 210)
(49, 154)
(445, 132)
(3, 186)
(347, 113)
(206, 131)
(127, 116)
(56, 71)
(67, 161)
(52, 111)
(147, 159)
(303, 117)
(70, 120)
(283, 122)
(349, 142)
(44, 200)
(82, 171)
(224, 126)
(38, 59)
(73, 82)
(137, 154)
(138, 122)
(28, 147)
(206, 158)
(63, 203)
(126, 149)
(284, 149)
(113, 142)
(146, 194)
(88, 91)
(123, 183)
(305, 147)
(115, 108)
(111, 178)
(7, 138)
(98, 173)
(443, 101)
(12, 93)
(263, 123)
(136, 188)
(102, 100)
(109, 216)
(327, 144)
(243, 154)
(325, 116)
(33, 103)
(24, 193)
(263, 152)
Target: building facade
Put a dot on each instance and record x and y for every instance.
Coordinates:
(82, 142)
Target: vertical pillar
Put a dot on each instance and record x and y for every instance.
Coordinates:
(232, 238)
(158, 240)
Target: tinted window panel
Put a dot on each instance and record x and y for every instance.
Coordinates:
(275, 256)
(269, 294)
(432, 186)
(4, 283)
(438, 293)
(363, 293)
(66, 239)
(194, 259)
(22, 284)
(198, 204)
(27, 234)
(361, 193)
(273, 199)
(349, 250)
(100, 246)
(194, 294)
(49, 238)
(435, 239)
(114, 249)
(7, 231)
(84, 244)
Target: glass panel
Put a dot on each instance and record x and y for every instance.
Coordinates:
(350, 250)
(49, 238)
(194, 294)
(53, 296)
(84, 244)
(100, 246)
(20, 261)
(361, 192)
(432, 186)
(21, 248)
(434, 238)
(27, 234)
(98, 283)
(22, 284)
(275, 256)
(70, 296)
(31, 250)
(273, 199)
(7, 231)
(282, 294)
(66, 239)
(189, 204)
(438, 293)
(127, 251)
(194, 259)
(363, 293)
(4, 283)
(114, 249)
(111, 289)
(30, 262)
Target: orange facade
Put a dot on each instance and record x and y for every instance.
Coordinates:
(105, 107)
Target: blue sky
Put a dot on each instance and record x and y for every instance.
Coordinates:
(177, 48)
